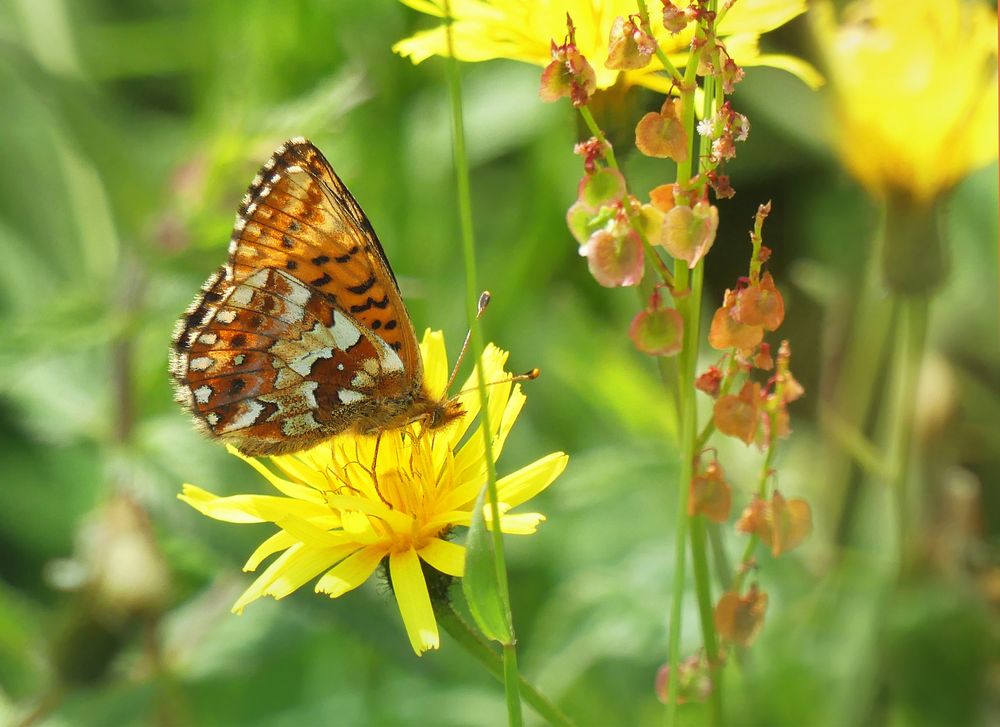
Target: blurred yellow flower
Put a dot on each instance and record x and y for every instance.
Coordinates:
(915, 83)
(334, 519)
(523, 30)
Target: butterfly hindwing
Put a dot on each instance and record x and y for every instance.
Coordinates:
(272, 365)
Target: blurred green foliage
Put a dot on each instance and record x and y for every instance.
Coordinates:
(130, 130)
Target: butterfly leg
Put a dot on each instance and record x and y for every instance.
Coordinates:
(378, 440)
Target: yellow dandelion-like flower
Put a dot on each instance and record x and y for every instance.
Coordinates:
(915, 83)
(523, 29)
(339, 523)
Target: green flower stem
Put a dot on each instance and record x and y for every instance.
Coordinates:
(848, 406)
(689, 307)
(690, 310)
(511, 680)
(460, 630)
(703, 589)
(723, 571)
(911, 336)
(669, 67)
(609, 152)
(765, 475)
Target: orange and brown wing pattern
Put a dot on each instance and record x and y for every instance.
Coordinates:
(273, 366)
(302, 334)
(298, 216)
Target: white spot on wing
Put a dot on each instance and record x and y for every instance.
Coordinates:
(388, 357)
(363, 380)
(208, 339)
(304, 363)
(202, 363)
(226, 316)
(212, 418)
(299, 294)
(285, 378)
(347, 396)
(258, 279)
(241, 296)
(202, 394)
(345, 334)
(299, 424)
(246, 415)
(239, 358)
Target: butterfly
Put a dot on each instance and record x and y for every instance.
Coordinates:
(302, 334)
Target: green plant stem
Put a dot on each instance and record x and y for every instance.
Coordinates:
(511, 681)
(723, 570)
(689, 307)
(460, 630)
(765, 474)
(669, 67)
(703, 589)
(911, 335)
(609, 152)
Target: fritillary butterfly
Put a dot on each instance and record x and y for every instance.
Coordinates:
(302, 334)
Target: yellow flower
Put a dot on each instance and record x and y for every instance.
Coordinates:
(915, 85)
(335, 522)
(523, 29)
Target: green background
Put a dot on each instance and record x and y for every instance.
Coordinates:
(129, 132)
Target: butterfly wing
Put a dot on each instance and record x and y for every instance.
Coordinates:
(303, 332)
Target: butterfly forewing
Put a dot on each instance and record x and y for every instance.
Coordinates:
(302, 334)
(299, 216)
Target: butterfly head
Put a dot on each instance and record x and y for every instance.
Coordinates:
(443, 412)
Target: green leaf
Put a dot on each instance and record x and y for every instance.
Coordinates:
(479, 584)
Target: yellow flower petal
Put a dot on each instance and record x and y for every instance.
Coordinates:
(528, 481)
(208, 504)
(276, 543)
(289, 489)
(522, 30)
(759, 16)
(435, 358)
(445, 556)
(247, 508)
(928, 68)
(410, 589)
(521, 523)
(351, 572)
(290, 570)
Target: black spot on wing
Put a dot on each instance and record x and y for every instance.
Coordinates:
(319, 282)
(364, 287)
(370, 303)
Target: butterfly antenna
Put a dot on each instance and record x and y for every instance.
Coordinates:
(526, 376)
(484, 300)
